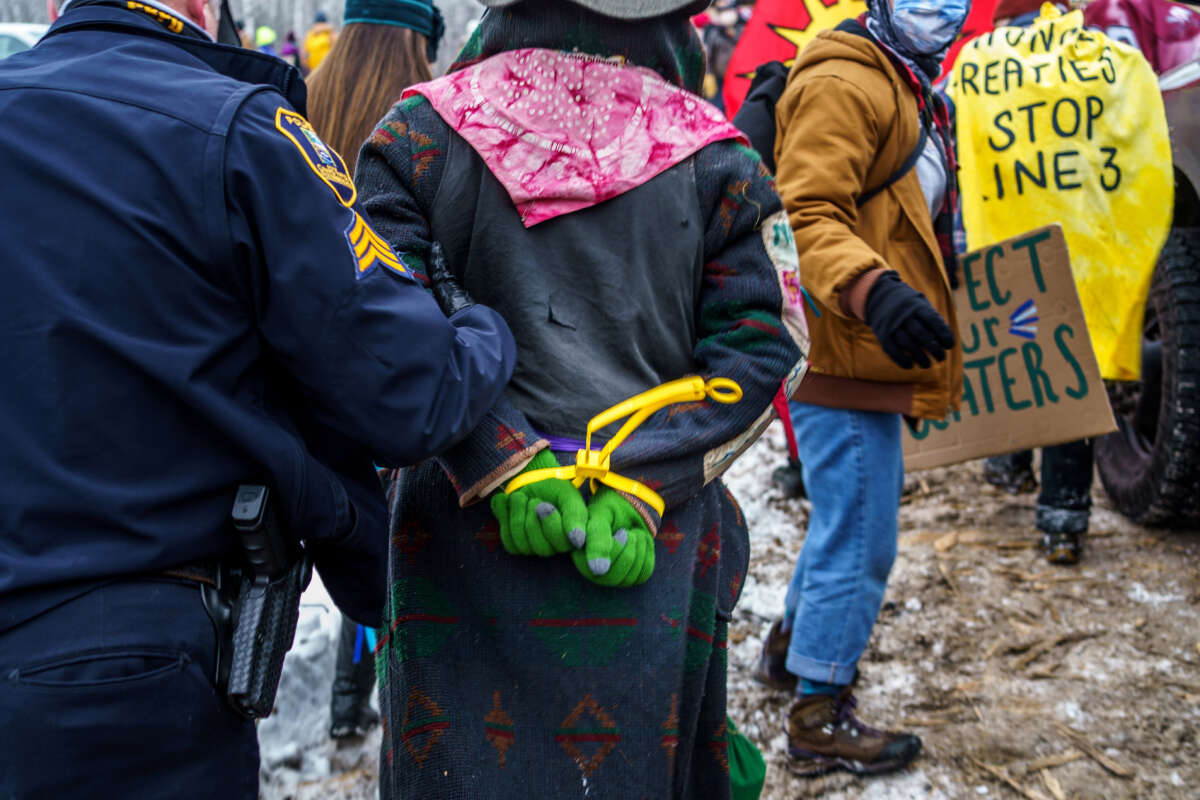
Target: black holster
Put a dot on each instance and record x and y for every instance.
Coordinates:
(255, 605)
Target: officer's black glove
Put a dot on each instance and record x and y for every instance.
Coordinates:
(907, 327)
(448, 292)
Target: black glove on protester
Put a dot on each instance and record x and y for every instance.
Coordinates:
(907, 327)
(450, 295)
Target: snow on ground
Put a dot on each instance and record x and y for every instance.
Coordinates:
(1055, 679)
(298, 757)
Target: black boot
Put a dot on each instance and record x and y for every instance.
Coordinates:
(350, 712)
(1065, 503)
(772, 663)
(790, 479)
(1012, 472)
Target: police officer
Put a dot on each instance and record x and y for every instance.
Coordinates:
(190, 298)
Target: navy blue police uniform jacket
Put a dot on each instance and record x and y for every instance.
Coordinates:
(192, 298)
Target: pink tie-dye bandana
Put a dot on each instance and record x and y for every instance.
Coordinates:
(563, 132)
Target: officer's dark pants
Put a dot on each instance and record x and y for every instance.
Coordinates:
(1065, 501)
(111, 695)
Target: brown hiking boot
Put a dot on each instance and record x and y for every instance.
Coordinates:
(772, 664)
(824, 735)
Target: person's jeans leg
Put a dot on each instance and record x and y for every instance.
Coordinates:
(854, 471)
(1065, 502)
(111, 694)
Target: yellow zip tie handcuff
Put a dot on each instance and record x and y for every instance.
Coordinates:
(593, 465)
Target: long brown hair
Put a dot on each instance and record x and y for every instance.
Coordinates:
(361, 78)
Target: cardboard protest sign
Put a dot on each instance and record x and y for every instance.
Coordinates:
(1057, 124)
(1029, 374)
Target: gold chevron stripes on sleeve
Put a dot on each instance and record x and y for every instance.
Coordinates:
(370, 247)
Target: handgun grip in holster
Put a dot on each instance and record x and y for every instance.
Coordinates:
(268, 603)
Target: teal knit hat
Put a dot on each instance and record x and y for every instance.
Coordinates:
(421, 16)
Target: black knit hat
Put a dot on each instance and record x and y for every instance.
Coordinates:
(626, 9)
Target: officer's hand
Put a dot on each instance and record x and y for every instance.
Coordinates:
(450, 295)
(543, 518)
(907, 327)
(620, 550)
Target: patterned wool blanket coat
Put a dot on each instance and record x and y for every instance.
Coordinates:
(503, 676)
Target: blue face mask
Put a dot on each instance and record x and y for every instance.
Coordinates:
(927, 27)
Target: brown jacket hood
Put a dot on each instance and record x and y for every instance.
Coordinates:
(829, 45)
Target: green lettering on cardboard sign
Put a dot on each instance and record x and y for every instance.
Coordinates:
(990, 268)
(970, 281)
(1031, 242)
(1081, 391)
(982, 364)
(1032, 354)
(989, 327)
(975, 342)
(1007, 382)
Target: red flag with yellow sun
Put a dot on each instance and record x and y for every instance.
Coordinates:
(778, 31)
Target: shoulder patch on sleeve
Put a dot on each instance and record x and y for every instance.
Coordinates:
(370, 249)
(321, 158)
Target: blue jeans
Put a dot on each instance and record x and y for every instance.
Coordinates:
(854, 474)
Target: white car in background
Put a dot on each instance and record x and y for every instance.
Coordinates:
(18, 36)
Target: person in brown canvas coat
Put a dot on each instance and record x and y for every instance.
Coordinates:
(866, 173)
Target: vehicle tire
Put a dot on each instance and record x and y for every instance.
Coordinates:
(1151, 466)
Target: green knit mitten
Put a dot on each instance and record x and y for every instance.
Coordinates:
(620, 550)
(543, 518)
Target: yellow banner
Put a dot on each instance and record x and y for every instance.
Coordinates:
(1057, 124)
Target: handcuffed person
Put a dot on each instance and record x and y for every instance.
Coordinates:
(193, 300)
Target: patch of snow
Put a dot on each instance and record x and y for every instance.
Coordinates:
(762, 599)
(299, 725)
(913, 784)
(893, 678)
(1120, 667)
(1138, 593)
(1070, 710)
